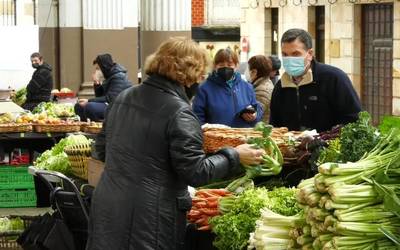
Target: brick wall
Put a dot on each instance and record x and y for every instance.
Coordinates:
(197, 12)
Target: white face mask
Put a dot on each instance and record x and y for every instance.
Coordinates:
(99, 75)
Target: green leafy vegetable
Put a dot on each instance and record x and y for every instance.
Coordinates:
(283, 201)
(14, 224)
(233, 228)
(54, 109)
(358, 138)
(389, 122)
(331, 153)
(56, 159)
(20, 96)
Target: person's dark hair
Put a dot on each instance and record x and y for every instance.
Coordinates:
(37, 54)
(299, 34)
(276, 62)
(262, 64)
(105, 63)
(226, 55)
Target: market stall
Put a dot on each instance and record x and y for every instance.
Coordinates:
(298, 198)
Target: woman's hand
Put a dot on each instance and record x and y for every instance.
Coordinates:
(248, 117)
(249, 155)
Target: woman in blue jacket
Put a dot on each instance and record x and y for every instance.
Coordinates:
(224, 98)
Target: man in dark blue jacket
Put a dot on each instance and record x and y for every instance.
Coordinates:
(109, 80)
(310, 95)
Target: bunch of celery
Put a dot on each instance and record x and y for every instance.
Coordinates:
(350, 205)
(278, 232)
(272, 160)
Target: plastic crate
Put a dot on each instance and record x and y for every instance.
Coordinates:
(17, 198)
(15, 178)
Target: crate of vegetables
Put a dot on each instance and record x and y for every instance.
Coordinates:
(11, 228)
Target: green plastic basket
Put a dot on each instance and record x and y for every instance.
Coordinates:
(17, 198)
(15, 178)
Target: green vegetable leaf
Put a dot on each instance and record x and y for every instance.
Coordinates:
(358, 138)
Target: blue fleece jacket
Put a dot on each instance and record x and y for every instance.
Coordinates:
(218, 103)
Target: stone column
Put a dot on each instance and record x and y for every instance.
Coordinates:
(161, 19)
(396, 59)
(48, 35)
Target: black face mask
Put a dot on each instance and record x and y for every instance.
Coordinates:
(225, 73)
(35, 65)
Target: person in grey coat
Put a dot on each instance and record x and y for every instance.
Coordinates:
(153, 149)
(260, 68)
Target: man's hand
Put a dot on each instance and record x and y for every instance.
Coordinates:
(96, 81)
(83, 102)
(248, 117)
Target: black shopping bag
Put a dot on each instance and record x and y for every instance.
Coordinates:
(48, 232)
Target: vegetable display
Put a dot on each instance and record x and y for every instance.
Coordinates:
(14, 224)
(239, 214)
(205, 205)
(55, 158)
(354, 205)
(54, 109)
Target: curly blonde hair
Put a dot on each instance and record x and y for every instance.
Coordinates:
(179, 59)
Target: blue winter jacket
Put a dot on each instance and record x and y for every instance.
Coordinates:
(216, 102)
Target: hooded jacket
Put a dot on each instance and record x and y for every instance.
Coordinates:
(218, 103)
(115, 81)
(324, 98)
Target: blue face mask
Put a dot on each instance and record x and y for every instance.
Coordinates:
(294, 66)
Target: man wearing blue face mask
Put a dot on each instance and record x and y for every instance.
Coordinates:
(310, 95)
(225, 98)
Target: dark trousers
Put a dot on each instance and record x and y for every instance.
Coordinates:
(92, 110)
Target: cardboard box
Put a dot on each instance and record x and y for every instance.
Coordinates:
(95, 169)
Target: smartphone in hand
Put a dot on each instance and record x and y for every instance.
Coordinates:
(249, 110)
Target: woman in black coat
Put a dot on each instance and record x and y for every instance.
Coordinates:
(153, 151)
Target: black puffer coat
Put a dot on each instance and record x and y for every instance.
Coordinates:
(153, 151)
(115, 82)
(39, 87)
